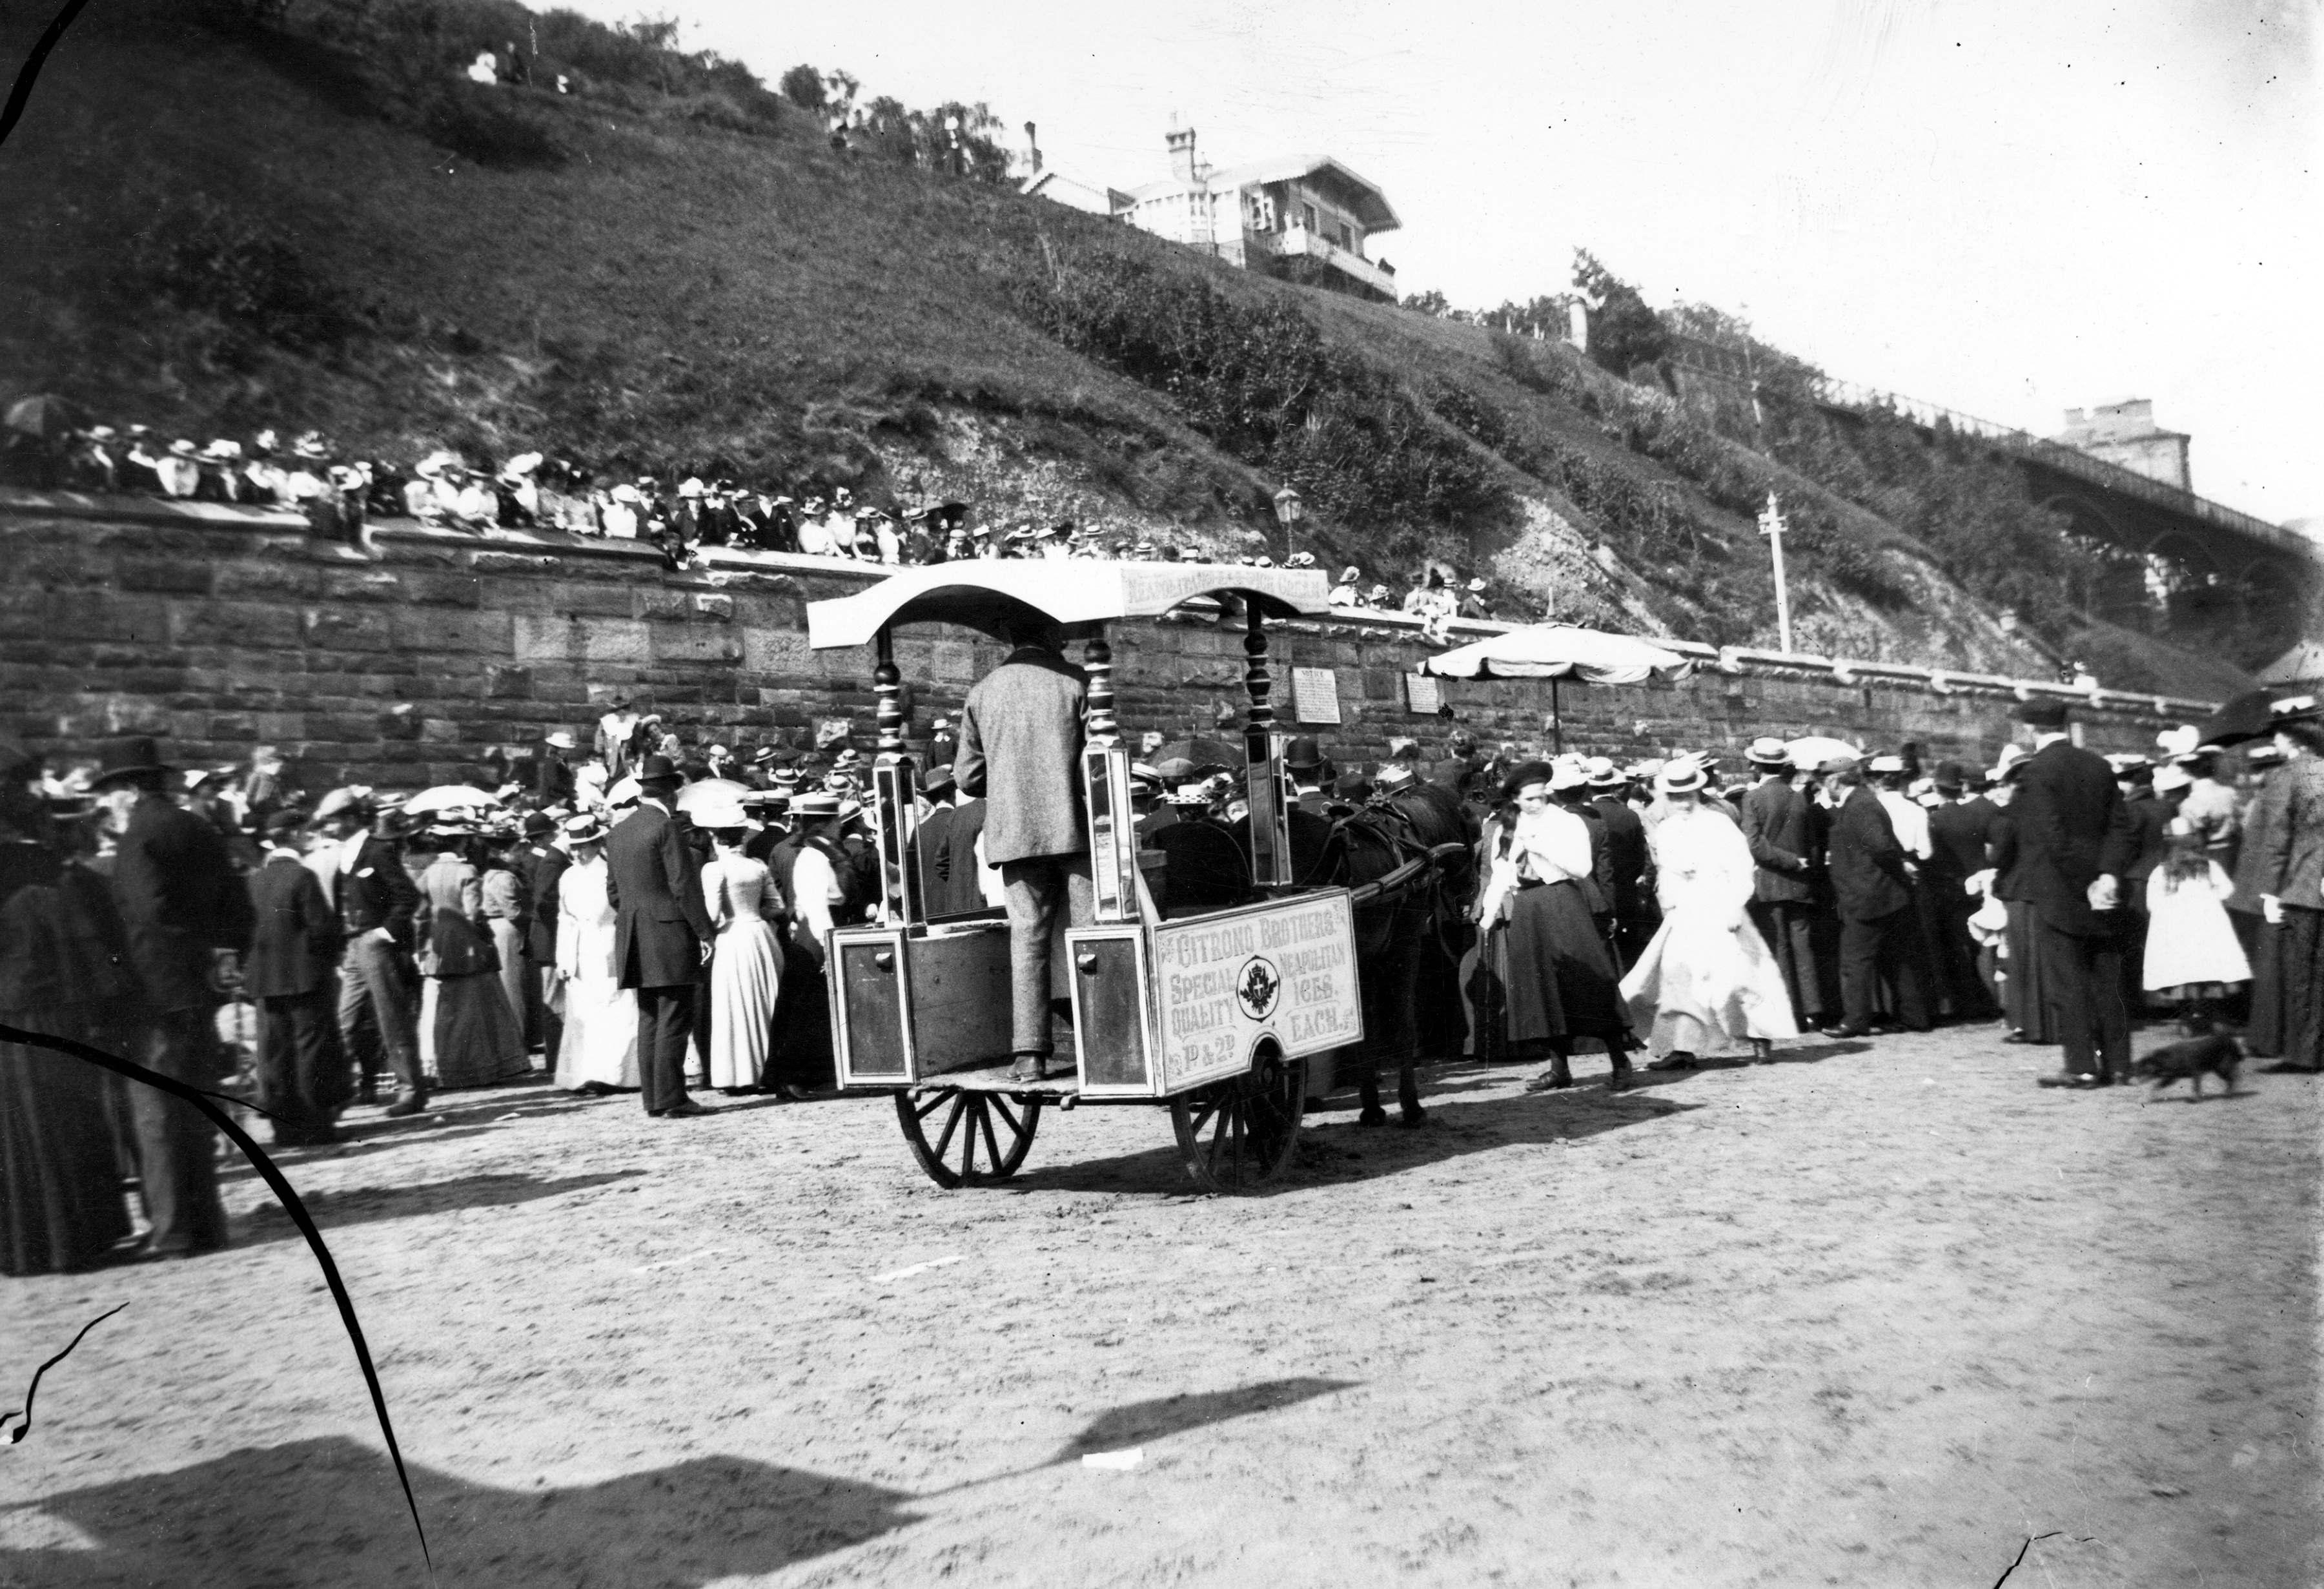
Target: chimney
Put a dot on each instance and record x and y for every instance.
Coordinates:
(1032, 152)
(1182, 153)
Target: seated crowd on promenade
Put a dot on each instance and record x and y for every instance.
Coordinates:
(362, 945)
(341, 494)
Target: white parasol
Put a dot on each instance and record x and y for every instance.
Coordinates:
(1560, 651)
(715, 802)
(1815, 750)
(450, 796)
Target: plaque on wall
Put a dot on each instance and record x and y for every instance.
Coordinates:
(1315, 695)
(1422, 694)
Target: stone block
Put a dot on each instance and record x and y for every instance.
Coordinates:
(398, 723)
(658, 601)
(440, 730)
(365, 629)
(164, 576)
(694, 642)
(601, 599)
(504, 682)
(443, 588)
(282, 581)
(776, 652)
(362, 585)
(625, 641)
(434, 632)
(243, 626)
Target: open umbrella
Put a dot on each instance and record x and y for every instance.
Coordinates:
(1815, 750)
(1206, 754)
(449, 797)
(44, 416)
(1560, 651)
(2244, 717)
(712, 793)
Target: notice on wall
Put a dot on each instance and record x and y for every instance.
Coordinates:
(1422, 694)
(1315, 695)
(1286, 971)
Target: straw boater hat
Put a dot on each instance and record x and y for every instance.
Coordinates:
(184, 449)
(1567, 771)
(585, 829)
(1766, 751)
(1680, 775)
(1886, 764)
(1604, 774)
(560, 739)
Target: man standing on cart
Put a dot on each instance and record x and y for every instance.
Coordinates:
(1021, 744)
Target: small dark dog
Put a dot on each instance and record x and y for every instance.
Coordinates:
(2211, 1053)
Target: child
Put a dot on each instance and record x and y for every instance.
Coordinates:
(2192, 953)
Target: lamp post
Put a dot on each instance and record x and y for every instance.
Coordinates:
(1288, 511)
(1771, 526)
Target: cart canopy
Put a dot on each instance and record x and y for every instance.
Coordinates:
(987, 594)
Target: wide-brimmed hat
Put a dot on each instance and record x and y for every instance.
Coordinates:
(1567, 771)
(2012, 758)
(1768, 751)
(2172, 776)
(1476, 585)
(560, 739)
(1680, 775)
(624, 793)
(129, 758)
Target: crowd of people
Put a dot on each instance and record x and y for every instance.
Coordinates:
(651, 916)
(340, 494)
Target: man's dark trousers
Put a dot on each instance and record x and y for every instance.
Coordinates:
(665, 1024)
(1869, 946)
(2085, 976)
(1789, 928)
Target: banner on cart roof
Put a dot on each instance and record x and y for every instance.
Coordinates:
(1224, 982)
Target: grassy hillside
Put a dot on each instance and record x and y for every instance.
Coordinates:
(224, 226)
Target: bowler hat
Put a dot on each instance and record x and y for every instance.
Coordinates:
(656, 768)
(2039, 713)
(1951, 775)
(1303, 752)
(537, 823)
(129, 758)
(940, 783)
(1353, 786)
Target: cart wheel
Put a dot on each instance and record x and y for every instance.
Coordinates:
(996, 1126)
(1237, 1134)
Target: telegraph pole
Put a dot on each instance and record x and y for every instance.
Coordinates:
(1771, 526)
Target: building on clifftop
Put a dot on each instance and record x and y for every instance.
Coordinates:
(2125, 434)
(1305, 217)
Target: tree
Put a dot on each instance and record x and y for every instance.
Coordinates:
(1431, 303)
(803, 86)
(1624, 333)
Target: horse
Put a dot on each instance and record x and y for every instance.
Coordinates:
(1398, 856)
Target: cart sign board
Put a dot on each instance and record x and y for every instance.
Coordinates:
(1315, 695)
(1221, 982)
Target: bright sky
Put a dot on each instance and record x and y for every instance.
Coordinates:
(2009, 208)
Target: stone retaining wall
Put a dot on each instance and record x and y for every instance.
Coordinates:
(218, 628)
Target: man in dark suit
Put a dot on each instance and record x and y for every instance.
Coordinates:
(1873, 889)
(1629, 860)
(294, 947)
(2075, 841)
(1310, 774)
(2150, 841)
(1021, 743)
(1780, 831)
(187, 917)
(1959, 827)
(376, 902)
(661, 932)
(553, 774)
(539, 865)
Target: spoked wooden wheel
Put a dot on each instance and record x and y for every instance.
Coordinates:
(1236, 1134)
(952, 1130)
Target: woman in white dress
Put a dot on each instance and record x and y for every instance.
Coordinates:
(746, 964)
(1707, 981)
(599, 1053)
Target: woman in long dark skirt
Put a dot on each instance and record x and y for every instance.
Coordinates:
(818, 887)
(61, 1206)
(1548, 970)
(2025, 991)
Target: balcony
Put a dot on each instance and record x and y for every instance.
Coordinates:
(1298, 241)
